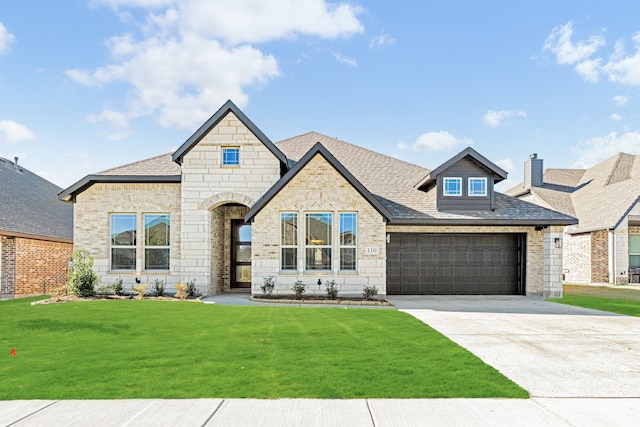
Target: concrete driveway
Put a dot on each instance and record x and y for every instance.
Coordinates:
(549, 349)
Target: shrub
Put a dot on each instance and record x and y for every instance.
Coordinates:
(191, 288)
(140, 289)
(298, 289)
(332, 289)
(158, 287)
(82, 279)
(181, 291)
(117, 286)
(268, 286)
(369, 292)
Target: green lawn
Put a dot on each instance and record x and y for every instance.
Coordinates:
(146, 349)
(622, 306)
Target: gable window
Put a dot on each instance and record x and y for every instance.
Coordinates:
(318, 241)
(289, 241)
(348, 247)
(156, 241)
(634, 250)
(123, 242)
(477, 186)
(452, 187)
(230, 156)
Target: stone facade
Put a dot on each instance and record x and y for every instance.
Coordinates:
(544, 264)
(320, 188)
(577, 258)
(92, 214)
(31, 266)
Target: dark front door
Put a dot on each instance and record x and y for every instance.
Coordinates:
(240, 254)
(449, 264)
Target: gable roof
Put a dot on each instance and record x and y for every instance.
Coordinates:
(600, 196)
(317, 149)
(228, 106)
(29, 206)
(498, 173)
(392, 182)
(156, 169)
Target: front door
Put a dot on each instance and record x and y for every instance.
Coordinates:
(240, 254)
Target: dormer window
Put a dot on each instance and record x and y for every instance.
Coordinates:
(230, 156)
(477, 186)
(452, 187)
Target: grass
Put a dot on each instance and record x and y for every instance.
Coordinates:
(156, 349)
(622, 300)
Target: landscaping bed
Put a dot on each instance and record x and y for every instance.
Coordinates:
(319, 299)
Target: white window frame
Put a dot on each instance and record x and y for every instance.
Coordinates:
(133, 246)
(293, 246)
(309, 244)
(470, 187)
(353, 245)
(145, 247)
(632, 253)
(223, 160)
(445, 191)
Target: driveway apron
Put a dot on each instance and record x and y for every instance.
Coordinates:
(549, 349)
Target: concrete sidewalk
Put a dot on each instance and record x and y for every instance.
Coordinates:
(325, 413)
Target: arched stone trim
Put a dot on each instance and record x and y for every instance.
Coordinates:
(226, 197)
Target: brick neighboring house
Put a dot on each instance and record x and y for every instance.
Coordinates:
(604, 247)
(36, 233)
(230, 208)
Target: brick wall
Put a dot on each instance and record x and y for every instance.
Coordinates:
(577, 258)
(319, 188)
(8, 268)
(600, 256)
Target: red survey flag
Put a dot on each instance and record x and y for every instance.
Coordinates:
(13, 351)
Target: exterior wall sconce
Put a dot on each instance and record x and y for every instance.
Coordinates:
(558, 242)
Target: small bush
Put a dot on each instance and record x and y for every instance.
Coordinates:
(82, 279)
(191, 288)
(140, 289)
(181, 291)
(117, 287)
(369, 292)
(158, 287)
(268, 286)
(298, 289)
(332, 289)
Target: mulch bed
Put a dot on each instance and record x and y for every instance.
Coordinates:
(318, 299)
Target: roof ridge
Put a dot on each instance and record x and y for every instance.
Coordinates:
(613, 169)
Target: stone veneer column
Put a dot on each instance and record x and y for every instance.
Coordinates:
(552, 282)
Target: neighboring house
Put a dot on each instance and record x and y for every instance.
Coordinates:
(36, 233)
(604, 247)
(230, 208)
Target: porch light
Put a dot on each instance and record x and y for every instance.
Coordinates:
(558, 242)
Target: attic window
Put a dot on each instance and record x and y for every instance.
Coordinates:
(230, 156)
(477, 186)
(452, 187)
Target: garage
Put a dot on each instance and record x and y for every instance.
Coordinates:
(456, 264)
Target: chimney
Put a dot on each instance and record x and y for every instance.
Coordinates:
(533, 172)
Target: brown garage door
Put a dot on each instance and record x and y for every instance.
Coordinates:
(455, 264)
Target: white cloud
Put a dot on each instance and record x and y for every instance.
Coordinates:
(118, 123)
(624, 68)
(589, 69)
(344, 59)
(6, 38)
(439, 141)
(13, 132)
(600, 148)
(402, 146)
(567, 52)
(496, 118)
(621, 100)
(615, 117)
(506, 164)
(381, 39)
(195, 53)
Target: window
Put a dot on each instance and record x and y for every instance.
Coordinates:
(634, 250)
(453, 186)
(348, 241)
(123, 242)
(230, 156)
(477, 186)
(289, 241)
(318, 241)
(157, 230)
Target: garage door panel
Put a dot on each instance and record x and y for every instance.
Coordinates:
(454, 263)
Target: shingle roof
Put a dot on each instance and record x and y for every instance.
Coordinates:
(392, 182)
(29, 205)
(600, 196)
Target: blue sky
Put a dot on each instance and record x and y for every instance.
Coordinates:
(87, 85)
